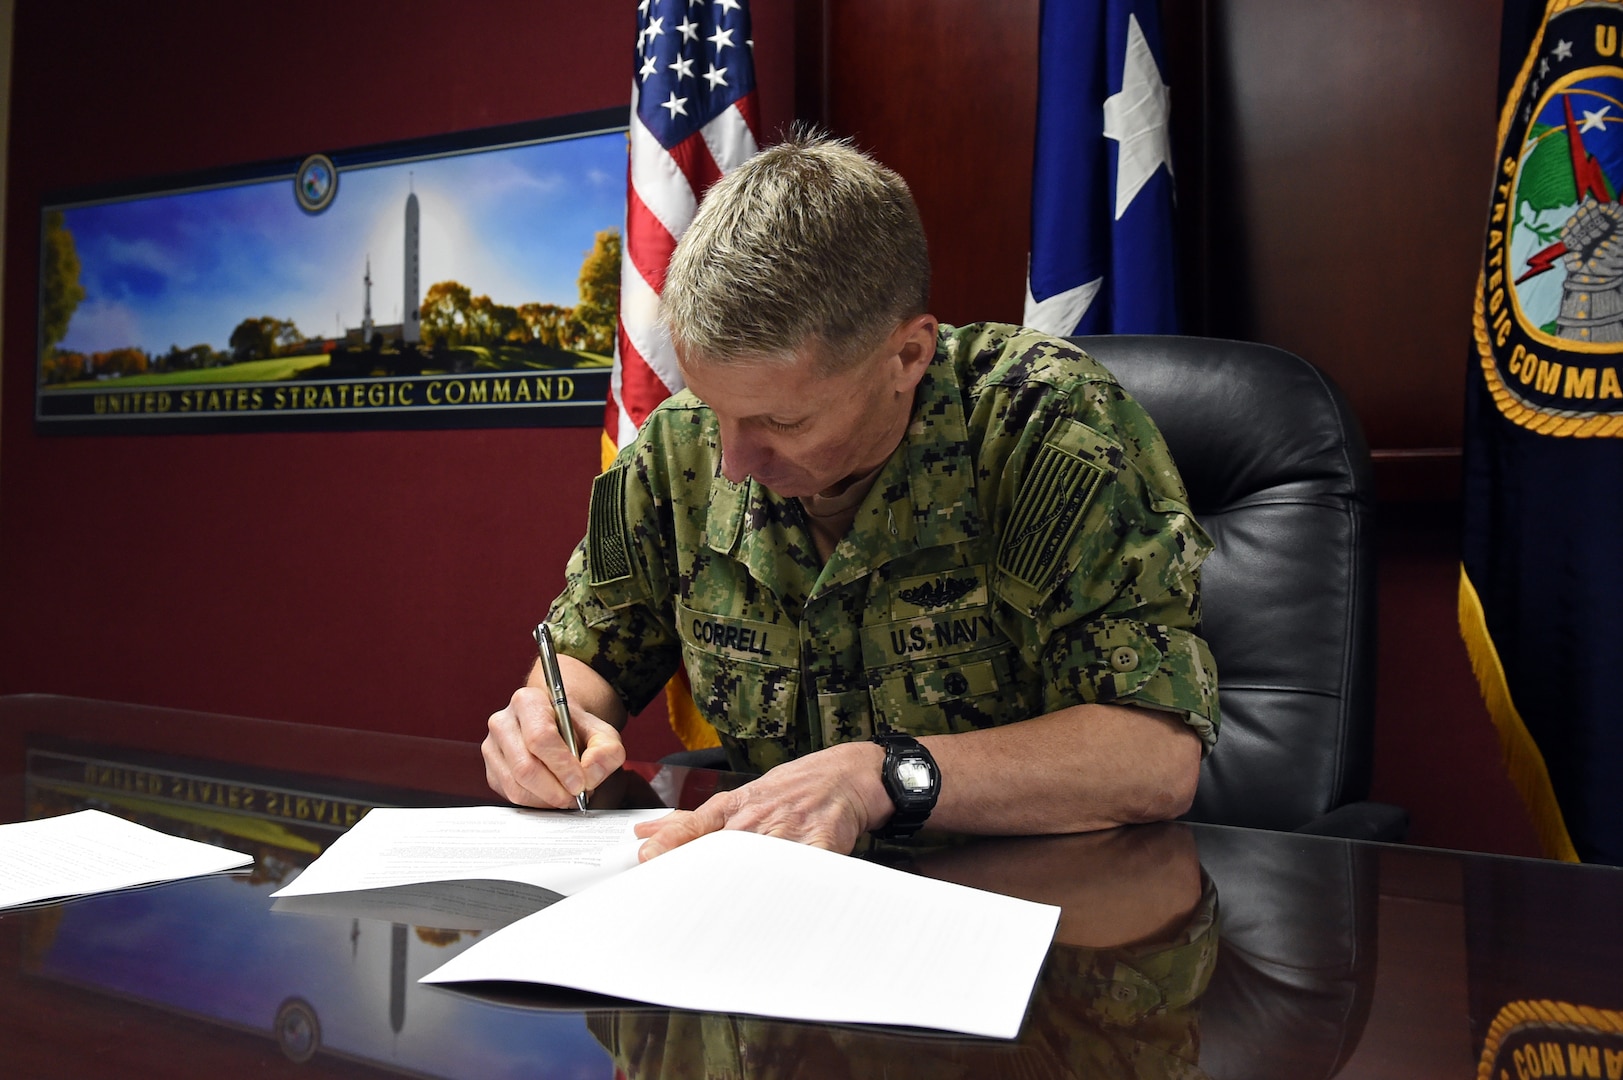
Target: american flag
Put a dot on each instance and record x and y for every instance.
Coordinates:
(693, 118)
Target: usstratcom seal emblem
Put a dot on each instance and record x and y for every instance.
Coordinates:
(1551, 1038)
(1549, 303)
(315, 185)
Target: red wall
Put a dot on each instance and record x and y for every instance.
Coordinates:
(376, 580)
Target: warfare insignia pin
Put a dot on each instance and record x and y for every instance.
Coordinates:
(938, 593)
(1549, 301)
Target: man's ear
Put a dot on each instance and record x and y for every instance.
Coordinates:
(916, 348)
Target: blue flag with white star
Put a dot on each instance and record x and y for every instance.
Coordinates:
(1102, 258)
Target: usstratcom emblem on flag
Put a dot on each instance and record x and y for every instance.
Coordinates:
(1549, 304)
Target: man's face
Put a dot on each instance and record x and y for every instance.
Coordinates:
(801, 432)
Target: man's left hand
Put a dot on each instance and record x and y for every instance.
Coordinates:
(827, 799)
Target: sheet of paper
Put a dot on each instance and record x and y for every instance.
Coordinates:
(560, 850)
(91, 851)
(793, 932)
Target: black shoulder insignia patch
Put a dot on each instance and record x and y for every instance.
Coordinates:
(1047, 511)
(606, 529)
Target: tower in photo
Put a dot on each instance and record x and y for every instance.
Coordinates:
(366, 318)
(411, 321)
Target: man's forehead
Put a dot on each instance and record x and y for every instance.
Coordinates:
(774, 387)
(808, 354)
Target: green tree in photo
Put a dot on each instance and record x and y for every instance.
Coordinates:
(263, 338)
(192, 359)
(59, 281)
(599, 305)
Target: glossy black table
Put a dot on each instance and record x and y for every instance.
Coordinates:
(1182, 950)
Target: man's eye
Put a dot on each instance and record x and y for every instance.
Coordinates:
(776, 425)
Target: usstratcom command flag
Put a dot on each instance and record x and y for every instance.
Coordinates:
(1102, 258)
(693, 119)
(1541, 590)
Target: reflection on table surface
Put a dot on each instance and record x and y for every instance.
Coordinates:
(1181, 951)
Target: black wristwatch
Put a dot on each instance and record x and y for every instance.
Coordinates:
(913, 783)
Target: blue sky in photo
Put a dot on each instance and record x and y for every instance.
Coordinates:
(184, 269)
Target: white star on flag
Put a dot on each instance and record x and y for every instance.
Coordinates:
(1060, 313)
(1137, 119)
(678, 106)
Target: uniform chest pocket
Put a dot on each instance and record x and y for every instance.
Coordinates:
(962, 692)
(940, 672)
(743, 673)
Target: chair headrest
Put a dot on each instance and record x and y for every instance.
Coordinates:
(1241, 418)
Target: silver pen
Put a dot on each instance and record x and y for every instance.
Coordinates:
(555, 687)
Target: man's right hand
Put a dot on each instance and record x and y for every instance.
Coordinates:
(527, 761)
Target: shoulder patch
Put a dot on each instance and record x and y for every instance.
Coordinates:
(606, 552)
(1047, 511)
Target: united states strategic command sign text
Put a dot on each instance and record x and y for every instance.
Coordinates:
(499, 399)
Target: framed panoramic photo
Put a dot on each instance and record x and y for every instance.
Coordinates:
(465, 281)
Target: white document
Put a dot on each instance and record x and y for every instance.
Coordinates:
(90, 852)
(559, 850)
(789, 931)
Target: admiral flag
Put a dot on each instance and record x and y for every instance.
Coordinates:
(1102, 258)
(1541, 585)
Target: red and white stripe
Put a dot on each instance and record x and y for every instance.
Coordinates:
(662, 195)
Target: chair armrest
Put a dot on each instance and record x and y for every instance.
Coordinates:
(1361, 821)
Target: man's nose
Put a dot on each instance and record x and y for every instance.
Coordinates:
(740, 455)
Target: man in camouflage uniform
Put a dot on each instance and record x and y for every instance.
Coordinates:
(858, 522)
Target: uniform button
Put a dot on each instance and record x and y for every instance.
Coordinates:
(956, 683)
(1125, 658)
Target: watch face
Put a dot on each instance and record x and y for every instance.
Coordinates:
(914, 774)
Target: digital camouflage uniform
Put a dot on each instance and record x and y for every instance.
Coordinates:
(1130, 1013)
(1028, 547)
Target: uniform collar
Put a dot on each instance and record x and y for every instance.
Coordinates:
(924, 497)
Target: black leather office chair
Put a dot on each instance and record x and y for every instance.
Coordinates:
(1279, 475)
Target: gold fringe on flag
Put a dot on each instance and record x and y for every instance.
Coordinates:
(1523, 761)
(694, 730)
